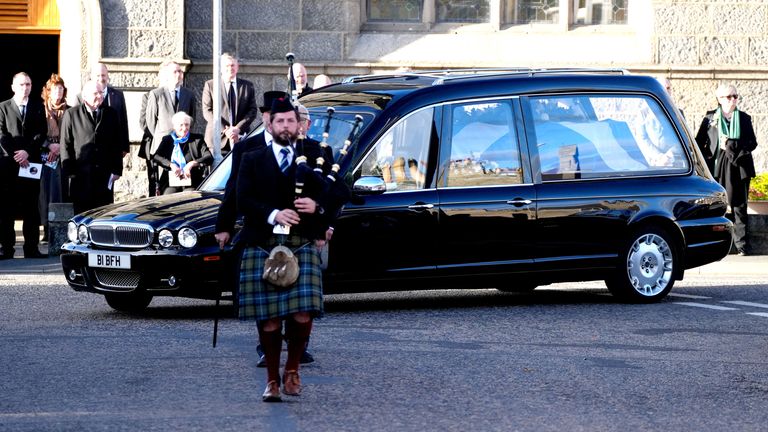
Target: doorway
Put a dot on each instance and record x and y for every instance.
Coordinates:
(37, 55)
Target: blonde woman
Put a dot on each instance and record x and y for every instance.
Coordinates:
(727, 139)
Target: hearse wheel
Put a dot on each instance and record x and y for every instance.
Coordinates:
(646, 267)
(128, 302)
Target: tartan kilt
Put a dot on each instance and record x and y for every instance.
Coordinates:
(260, 300)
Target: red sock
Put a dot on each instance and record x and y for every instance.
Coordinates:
(272, 344)
(297, 335)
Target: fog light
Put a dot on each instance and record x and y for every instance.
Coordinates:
(171, 280)
(72, 275)
(165, 238)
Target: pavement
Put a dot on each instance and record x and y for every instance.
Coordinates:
(751, 265)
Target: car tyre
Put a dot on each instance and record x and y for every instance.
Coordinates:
(128, 302)
(646, 266)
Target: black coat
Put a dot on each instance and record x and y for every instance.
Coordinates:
(28, 135)
(735, 166)
(227, 215)
(194, 150)
(262, 188)
(90, 153)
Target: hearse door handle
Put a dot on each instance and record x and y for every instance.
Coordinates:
(518, 202)
(420, 206)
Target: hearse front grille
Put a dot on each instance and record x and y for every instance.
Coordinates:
(123, 279)
(121, 235)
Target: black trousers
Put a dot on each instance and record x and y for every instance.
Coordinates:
(22, 198)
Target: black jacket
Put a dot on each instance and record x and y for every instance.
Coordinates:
(194, 150)
(262, 188)
(28, 135)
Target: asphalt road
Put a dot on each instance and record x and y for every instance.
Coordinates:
(560, 358)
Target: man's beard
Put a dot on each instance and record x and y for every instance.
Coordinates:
(285, 138)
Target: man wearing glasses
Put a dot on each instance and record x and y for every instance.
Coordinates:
(727, 139)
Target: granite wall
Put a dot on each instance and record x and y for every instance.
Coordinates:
(698, 44)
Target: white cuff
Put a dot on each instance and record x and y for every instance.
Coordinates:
(272, 216)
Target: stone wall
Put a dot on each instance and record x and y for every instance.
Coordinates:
(698, 44)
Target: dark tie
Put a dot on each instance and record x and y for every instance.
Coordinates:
(232, 102)
(285, 152)
(175, 96)
(23, 111)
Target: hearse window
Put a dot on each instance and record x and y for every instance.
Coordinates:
(484, 148)
(400, 156)
(603, 136)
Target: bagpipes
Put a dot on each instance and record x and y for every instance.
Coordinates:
(326, 180)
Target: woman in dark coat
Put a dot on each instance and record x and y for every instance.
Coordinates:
(182, 157)
(54, 99)
(727, 139)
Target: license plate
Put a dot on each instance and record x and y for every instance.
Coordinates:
(109, 260)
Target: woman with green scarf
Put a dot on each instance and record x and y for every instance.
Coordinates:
(727, 139)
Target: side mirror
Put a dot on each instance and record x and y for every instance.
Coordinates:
(369, 186)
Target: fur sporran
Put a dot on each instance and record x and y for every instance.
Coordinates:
(281, 269)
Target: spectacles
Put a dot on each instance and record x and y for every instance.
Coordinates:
(733, 96)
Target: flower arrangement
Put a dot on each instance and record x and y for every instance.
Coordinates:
(758, 188)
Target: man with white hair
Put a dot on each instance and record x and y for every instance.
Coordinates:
(90, 160)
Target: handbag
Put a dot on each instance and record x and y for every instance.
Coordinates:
(281, 268)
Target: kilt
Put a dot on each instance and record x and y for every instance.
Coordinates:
(261, 301)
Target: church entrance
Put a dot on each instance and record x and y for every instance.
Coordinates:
(37, 55)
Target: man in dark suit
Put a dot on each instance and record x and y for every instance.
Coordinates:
(90, 160)
(114, 99)
(23, 130)
(276, 213)
(238, 106)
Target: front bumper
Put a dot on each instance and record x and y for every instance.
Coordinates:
(195, 273)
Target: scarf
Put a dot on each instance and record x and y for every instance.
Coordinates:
(177, 156)
(53, 114)
(725, 131)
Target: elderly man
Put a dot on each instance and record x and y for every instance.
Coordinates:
(238, 106)
(91, 162)
(114, 99)
(23, 130)
(300, 75)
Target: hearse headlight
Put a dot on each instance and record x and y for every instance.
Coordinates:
(187, 237)
(82, 234)
(165, 238)
(72, 231)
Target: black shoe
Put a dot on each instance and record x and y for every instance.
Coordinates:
(35, 255)
(262, 361)
(306, 357)
(6, 256)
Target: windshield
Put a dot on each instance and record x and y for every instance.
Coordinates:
(341, 124)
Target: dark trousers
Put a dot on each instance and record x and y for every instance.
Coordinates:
(151, 178)
(23, 198)
(740, 224)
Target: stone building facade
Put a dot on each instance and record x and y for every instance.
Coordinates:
(698, 44)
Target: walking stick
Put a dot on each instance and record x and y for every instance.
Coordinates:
(216, 320)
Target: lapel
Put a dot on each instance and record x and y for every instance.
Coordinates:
(168, 101)
(225, 109)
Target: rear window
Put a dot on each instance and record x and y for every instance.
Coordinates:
(594, 136)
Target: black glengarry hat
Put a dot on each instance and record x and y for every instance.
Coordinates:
(281, 105)
(270, 97)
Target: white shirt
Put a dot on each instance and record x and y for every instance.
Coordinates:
(279, 158)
